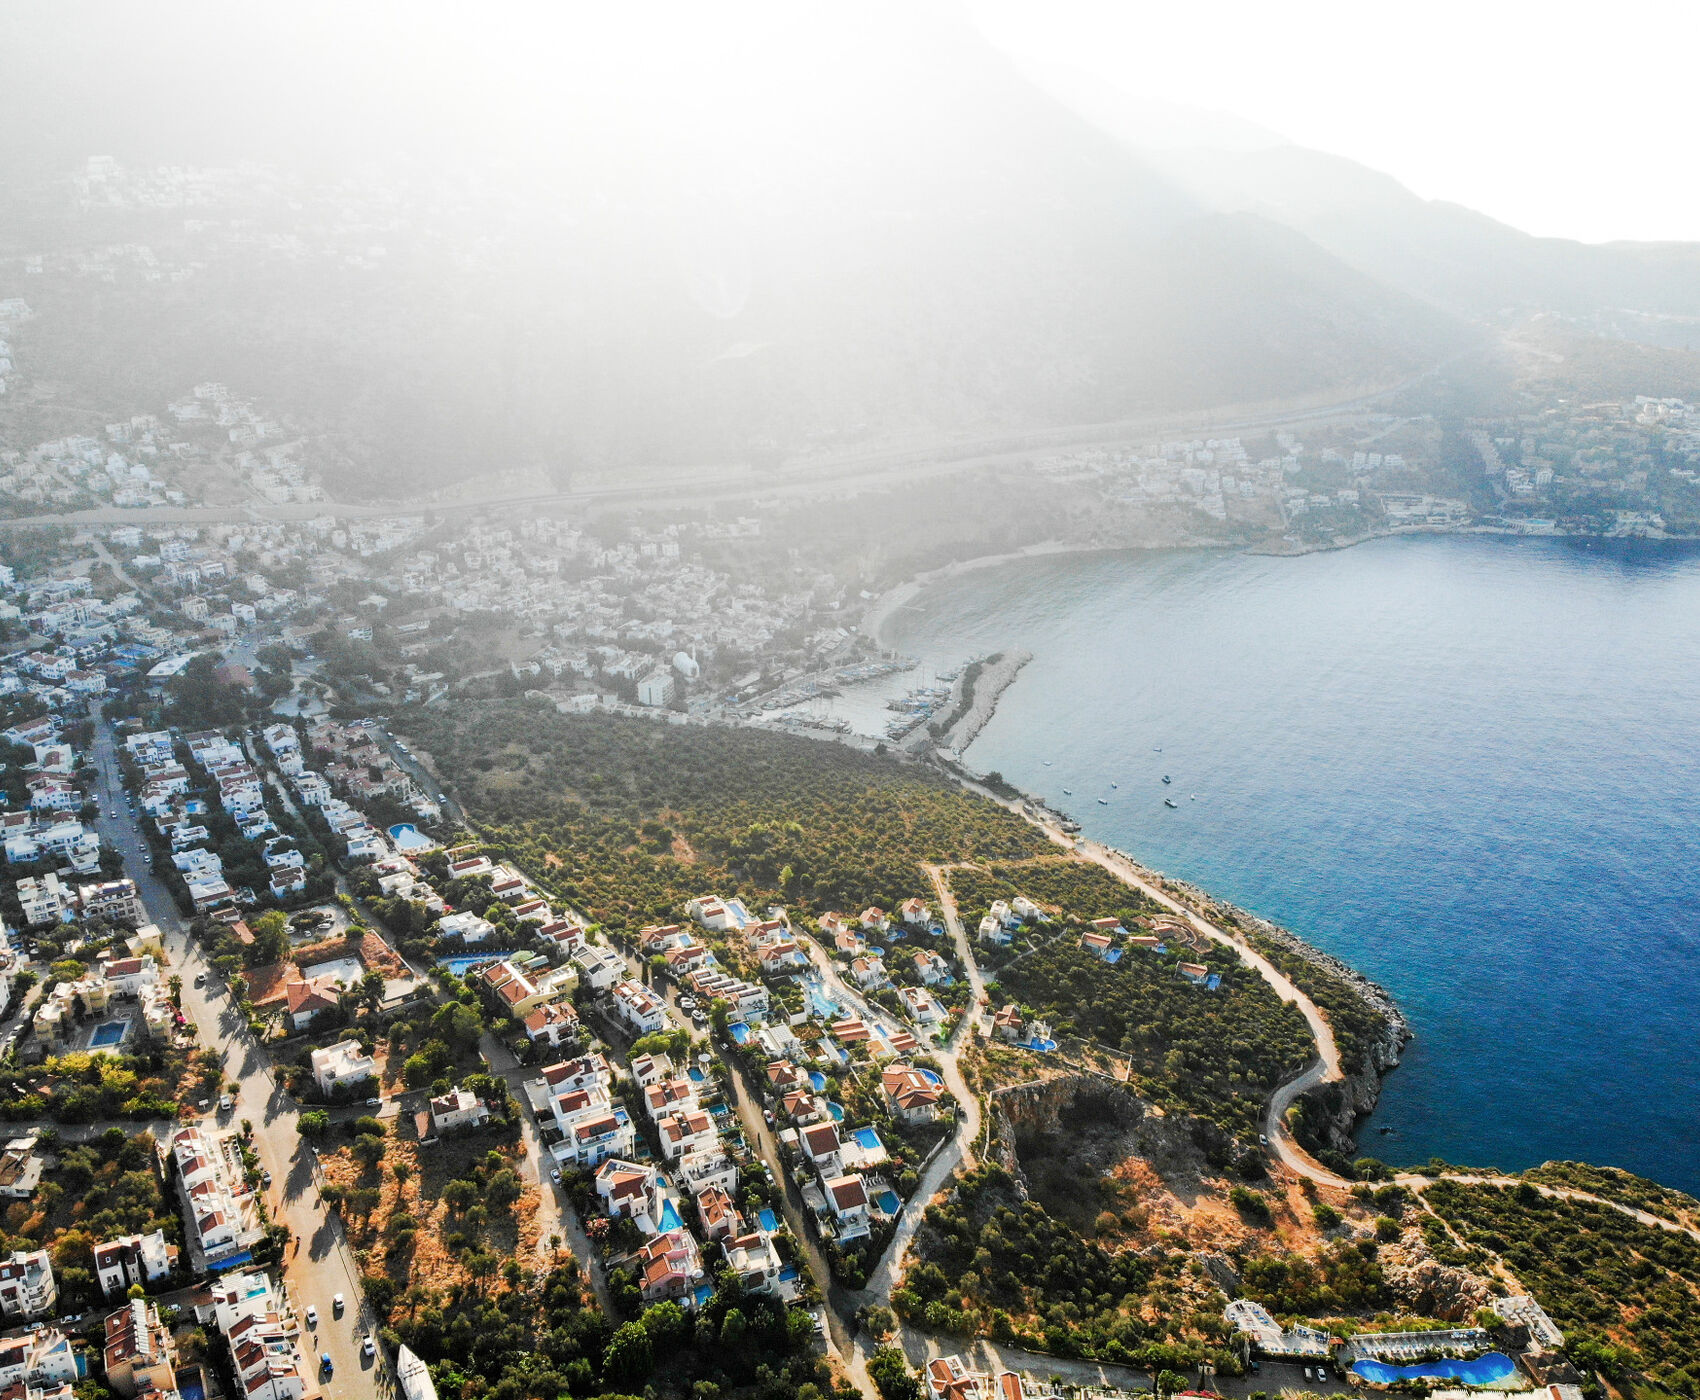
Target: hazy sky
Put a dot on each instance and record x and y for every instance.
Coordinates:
(1572, 120)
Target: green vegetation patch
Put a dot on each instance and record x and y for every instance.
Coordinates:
(1626, 1294)
(1615, 1184)
(644, 816)
(1217, 1055)
(988, 1262)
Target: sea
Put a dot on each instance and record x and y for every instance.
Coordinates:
(1468, 765)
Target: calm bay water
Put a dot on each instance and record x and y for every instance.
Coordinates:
(1467, 766)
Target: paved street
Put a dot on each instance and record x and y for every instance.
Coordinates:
(320, 1263)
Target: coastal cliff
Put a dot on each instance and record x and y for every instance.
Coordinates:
(1369, 1028)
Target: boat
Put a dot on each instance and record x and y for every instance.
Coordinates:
(1115, 785)
(1103, 802)
(1165, 777)
(1047, 763)
(1068, 792)
(1170, 802)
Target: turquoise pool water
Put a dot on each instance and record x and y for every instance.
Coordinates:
(406, 837)
(836, 1110)
(739, 1032)
(817, 1080)
(767, 1220)
(670, 1217)
(1483, 1370)
(867, 1139)
(886, 1203)
(106, 1034)
(459, 964)
(931, 1078)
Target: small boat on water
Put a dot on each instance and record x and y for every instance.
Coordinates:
(1170, 802)
(1068, 792)
(1165, 777)
(1115, 785)
(1047, 763)
(1103, 802)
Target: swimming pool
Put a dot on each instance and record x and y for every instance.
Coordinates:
(108, 1033)
(1041, 1045)
(697, 1076)
(406, 837)
(459, 964)
(867, 1139)
(670, 1217)
(1483, 1370)
(836, 1110)
(821, 1004)
(931, 1078)
(886, 1203)
(768, 1220)
(817, 1081)
(739, 1032)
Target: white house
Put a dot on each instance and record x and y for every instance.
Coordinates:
(131, 1260)
(27, 1285)
(340, 1065)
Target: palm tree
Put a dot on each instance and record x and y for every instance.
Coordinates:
(176, 985)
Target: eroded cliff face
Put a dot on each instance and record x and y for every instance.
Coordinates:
(1044, 1108)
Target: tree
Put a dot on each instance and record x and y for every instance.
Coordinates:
(372, 989)
(890, 1371)
(271, 939)
(629, 1356)
(1168, 1382)
(314, 1123)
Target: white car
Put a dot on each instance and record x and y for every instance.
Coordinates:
(312, 1316)
(337, 1304)
(225, 1103)
(367, 1346)
(555, 1175)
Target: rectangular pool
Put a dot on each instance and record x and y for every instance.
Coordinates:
(108, 1034)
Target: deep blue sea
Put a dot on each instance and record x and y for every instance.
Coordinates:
(1469, 766)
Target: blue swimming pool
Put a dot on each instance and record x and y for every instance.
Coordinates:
(697, 1076)
(739, 1032)
(836, 1110)
(669, 1217)
(1484, 1370)
(817, 1081)
(460, 963)
(1041, 1045)
(789, 1274)
(406, 837)
(867, 1139)
(931, 1078)
(821, 1004)
(106, 1034)
(767, 1219)
(886, 1203)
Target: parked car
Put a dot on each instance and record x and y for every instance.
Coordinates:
(374, 1103)
(225, 1103)
(325, 1363)
(337, 1304)
(313, 1321)
(555, 1175)
(367, 1346)
(200, 979)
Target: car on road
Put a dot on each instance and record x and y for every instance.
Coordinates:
(337, 1304)
(266, 1177)
(1263, 1139)
(367, 1346)
(313, 1317)
(325, 1366)
(225, 1103)
(767, 1113)
(374, 1103)
(200, 979)
(555, 1175)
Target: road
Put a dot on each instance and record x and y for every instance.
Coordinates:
(320, 1263)
(902, 464)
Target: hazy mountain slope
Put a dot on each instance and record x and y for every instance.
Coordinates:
(890, 230)
(1443, 252)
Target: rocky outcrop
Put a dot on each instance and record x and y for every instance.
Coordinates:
(1041, 1107)
(1424, 1285)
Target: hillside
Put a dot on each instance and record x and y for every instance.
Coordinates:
(800, 267)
